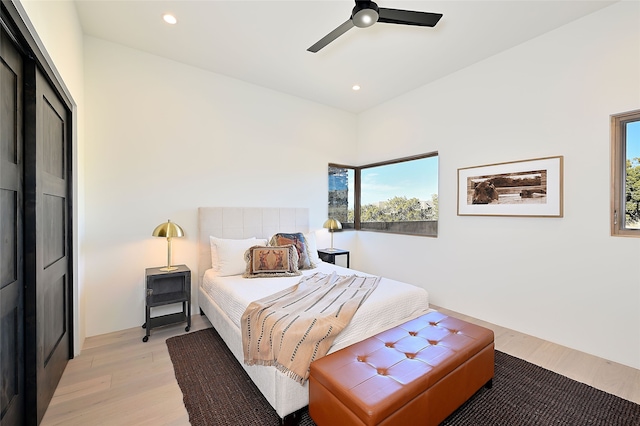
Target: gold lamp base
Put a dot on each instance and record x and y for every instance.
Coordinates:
(169, 268)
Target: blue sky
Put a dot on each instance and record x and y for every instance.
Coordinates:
(633, 140)
(417, 178)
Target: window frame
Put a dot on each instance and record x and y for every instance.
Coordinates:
(618, 173)
(357, 225)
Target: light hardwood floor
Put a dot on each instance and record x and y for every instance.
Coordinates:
(119, 380)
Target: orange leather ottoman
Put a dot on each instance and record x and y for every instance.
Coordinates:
(417, 373)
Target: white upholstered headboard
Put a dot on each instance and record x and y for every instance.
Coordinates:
(244, 222)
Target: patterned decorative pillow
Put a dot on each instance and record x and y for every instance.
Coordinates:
(299, 242)
(269, 261)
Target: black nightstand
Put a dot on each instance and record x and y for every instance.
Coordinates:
(329, 255)
(166, 288)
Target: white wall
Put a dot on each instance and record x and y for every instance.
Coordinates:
(163, 139)
(64, 49)
(562, 279)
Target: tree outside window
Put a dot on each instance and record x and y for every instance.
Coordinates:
(625, 149)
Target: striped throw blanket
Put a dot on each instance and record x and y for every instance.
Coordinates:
(297, 325)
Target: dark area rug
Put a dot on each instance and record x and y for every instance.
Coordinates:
(217, 391)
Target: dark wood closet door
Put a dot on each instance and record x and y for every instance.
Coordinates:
(11, 232)
(47, 243)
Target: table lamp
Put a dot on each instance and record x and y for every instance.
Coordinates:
(168, 230)
(332, 225)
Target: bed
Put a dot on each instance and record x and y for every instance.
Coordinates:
(223, 298)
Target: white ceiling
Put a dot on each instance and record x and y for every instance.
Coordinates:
(264, 42)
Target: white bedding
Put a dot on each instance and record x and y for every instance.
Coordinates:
(392, 303)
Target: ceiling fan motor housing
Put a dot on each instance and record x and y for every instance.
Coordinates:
(364, 14)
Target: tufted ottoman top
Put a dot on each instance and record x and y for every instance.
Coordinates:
(377, 376)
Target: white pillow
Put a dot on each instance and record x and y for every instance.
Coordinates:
(227, 255)
(312, 247)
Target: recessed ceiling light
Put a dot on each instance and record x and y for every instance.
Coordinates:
(169, 19)
(356, 87)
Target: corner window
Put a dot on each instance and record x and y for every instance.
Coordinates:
(625, 167)
(397, 196)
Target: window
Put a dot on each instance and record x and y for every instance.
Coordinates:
(342, 194)
(398, 196)
(625, 167)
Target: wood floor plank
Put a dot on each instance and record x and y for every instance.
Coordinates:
(78, 389)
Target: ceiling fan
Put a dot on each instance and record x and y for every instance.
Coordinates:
(366, 13)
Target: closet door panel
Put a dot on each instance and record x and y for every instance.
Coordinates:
(48, 240)
(52, 239)
(12, 397)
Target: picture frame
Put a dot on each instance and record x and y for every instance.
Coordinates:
(528, 188)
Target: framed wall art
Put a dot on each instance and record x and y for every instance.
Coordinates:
(518, 188)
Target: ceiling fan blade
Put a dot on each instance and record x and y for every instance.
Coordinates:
(408, 17)
(332, 36)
